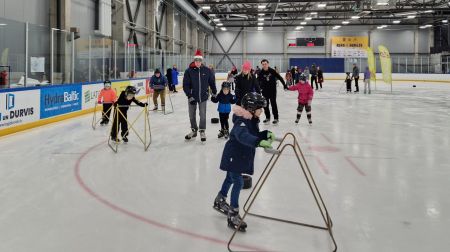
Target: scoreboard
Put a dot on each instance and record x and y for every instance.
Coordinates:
(307, 42)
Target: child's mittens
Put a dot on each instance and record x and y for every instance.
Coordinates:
(271, 136)
(266, 144)
(214, 98)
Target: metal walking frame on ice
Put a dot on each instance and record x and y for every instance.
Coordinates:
(146, 140)
(165, 110)
(276, 153)
(95, 121)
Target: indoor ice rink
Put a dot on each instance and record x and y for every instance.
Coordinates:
(363, 171)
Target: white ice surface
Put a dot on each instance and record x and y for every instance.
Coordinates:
(381, 162)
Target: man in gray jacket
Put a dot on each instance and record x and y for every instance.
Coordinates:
(355, 76)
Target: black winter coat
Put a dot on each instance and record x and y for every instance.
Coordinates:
(268, 81)
(196, 82)
(245, 85)
(123, 101)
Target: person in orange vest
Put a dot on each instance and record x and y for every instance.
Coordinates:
(107, 97)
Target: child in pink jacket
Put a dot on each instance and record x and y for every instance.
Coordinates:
(305, 95)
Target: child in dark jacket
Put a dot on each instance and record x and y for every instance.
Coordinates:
(225, 99)
(348, 82)
(305, 95)
(120, 118)
(239, 154)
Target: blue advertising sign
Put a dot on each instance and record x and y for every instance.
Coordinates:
(60, 100)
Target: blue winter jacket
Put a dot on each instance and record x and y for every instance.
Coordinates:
(239, 152)
(224, 101)
(158, 83)
(196, 82)
(174, 76)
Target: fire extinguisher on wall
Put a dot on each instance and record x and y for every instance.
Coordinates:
(3, 78)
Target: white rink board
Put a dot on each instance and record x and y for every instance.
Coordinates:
(20, 107)
(90, 95)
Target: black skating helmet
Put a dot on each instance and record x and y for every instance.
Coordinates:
(107, 83)
(302, 77)
(226, 84)
(130, 90)
(253, 101)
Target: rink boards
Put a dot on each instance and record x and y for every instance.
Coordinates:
(25, 108)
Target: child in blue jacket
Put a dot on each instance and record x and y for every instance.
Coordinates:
(239, 154)
(225, 99)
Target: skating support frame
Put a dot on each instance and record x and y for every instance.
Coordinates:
(146, 142)
(165, 110)
(94, 118)
(309, 178)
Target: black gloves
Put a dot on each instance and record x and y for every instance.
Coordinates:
(192, 101)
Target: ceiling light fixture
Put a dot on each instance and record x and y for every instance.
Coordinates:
(219, 24)
(345, 22)
(336, 27)
(313, 13)
(261, 6)
(299, 27)
(206, 7)
(261, 14)
(260, 24)
(396, 21)
(356, 17)
(216, 19)
(445, 21)
(322, 5)
(223, 28)
(303, 23)
(308, 18)
(411, 17)
(260, 28)
(260, 19)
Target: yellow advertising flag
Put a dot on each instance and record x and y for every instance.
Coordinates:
(371, 63)
(386, 65)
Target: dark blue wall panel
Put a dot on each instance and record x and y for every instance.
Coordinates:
(328, 65)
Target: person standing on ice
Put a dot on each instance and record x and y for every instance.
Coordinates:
(174, 78)
(268, 83)
(246, 82)
(355, 76)
(367, 80)
(239, 154)
(196, 81)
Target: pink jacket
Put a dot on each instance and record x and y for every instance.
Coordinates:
(305, 92)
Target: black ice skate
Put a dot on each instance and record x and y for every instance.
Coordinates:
(221, 134)
(125, 139)
(275, 121)
(235, 220)
(221, 205)
(191, 134)
(296, 121)
(202, 135)
(310, 121)
(266, 121)
(155, 108)
(226, 134)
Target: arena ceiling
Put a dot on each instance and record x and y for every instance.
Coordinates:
(288, 13)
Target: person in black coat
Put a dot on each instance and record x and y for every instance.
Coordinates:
(268, 83)
(239, 154)
(122, 104)
(169, 78)
(245, 83)
(197, 81)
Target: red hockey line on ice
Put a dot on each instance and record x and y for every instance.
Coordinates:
(327, 138)
(349, 160)
(140, 217)
(322, 165)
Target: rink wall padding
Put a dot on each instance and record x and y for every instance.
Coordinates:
(26, 108)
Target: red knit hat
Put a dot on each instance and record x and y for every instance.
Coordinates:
(198, 55)
(247, 65)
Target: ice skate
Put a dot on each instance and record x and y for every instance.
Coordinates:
(202, 135)
(226, 134)
(221, 134)
(155, 108)
(115, 139)
(296, 121)
(235, 220)
(310, 121)
(221, 205)
(266, 121)
(125, 139)
(191, 134)
(275, 121)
